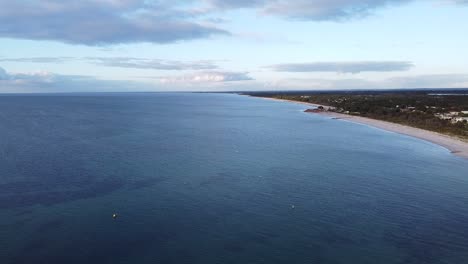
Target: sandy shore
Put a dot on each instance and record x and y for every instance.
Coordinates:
(453, 144)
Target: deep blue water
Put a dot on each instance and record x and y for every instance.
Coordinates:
(218, 178)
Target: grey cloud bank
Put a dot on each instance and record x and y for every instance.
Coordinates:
(139, 63)
(3, 74)
(99, 22)
(309, 10)
(326, 10)
(420, 81)
(46, 82)
(39, 76)
(318, 10)
(38, 59)
(124, 62)
(106, 22)
(344, 67)
(431, 81)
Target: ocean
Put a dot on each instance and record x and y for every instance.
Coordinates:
(219, 178)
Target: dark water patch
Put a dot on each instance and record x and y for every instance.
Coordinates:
(333, 237)
(218, 178)
(34, 247)
(234, 246)
(21, 187)
(123, 250)
(262, 237)
(23, 212)
(20, 223)
(53, 190)
(145, 183)
(425, 240)
(48, 197)
(50, 225)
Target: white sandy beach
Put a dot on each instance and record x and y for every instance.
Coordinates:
(453, 144)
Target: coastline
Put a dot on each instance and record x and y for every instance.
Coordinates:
(456, 146)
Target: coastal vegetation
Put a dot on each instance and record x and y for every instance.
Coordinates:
(443, 113)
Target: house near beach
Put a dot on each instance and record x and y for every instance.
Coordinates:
(444, 116)
(459, 119)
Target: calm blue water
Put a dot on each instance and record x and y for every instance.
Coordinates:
(216, 178)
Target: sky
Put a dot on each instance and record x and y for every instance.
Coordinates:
(231, 45)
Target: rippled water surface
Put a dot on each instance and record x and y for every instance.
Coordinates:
(217, 178)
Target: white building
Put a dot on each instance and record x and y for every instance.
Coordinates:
(459, 119)
(444, 116)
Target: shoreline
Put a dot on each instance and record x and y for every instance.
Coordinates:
(456, 146)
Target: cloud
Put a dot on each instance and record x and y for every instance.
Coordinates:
(157, 64)
(3, 74)
(231, 4)
(313, 10)
(41, 82)
(42, 76)
(38, 59)
(124, 62)
(10, 82)
(217, 20)
(317, 10)
(344, 67)
(207, 77)
(107, 22)
(319, 84)
(100, 22)
(399, 82)
(430, 81)
(326, 9)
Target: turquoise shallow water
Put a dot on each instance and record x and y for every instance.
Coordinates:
(219, 178)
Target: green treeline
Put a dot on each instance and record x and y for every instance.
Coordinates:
(417, 110)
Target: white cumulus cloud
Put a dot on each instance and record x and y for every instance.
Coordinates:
(207, 77)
